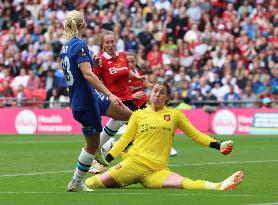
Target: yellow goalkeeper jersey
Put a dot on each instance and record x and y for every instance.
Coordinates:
(152, 136)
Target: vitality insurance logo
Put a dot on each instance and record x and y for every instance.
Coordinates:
(26, 122)
(224, 122)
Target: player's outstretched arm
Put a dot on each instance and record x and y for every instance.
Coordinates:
(86, 70)
(201, 138)
(125, 139)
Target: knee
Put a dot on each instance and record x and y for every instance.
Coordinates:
(173, 182)
(108, 181)
(177, 183)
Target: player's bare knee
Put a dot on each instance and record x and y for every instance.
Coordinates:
(173, 184)
(173, 181)
(108, 181)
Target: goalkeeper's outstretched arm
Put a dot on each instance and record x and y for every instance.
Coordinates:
(124, 140)
(185, 125)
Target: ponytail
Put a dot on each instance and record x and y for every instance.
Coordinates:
(72, 23)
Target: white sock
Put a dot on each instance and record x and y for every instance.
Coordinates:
(83, 165)
(110, 129)
(108, 145)
(211, 185)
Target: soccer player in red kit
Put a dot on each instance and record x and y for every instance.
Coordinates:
(136, 86)
(114, 71)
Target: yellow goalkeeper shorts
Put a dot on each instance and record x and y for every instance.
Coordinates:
(130, 171)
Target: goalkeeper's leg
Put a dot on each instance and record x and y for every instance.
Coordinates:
(167, 179)
(186, 183)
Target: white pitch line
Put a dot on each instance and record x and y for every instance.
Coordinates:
(26, 192)
(228, 162)
(42, 142)
(34, 173)
(272, 203)
(173, 165)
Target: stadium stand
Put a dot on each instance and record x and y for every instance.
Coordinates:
(221, 48)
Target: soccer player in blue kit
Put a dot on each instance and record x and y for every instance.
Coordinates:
(87, 104)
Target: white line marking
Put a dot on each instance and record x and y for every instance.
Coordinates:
(34, 173)
(273, 203)
(42, 142)
(228, 162)
(173, 165)
(26, 192)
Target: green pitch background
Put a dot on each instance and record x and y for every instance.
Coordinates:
(36, 170)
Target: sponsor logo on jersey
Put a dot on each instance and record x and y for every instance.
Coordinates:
(167, 117)
(114, 70)
(109, 62)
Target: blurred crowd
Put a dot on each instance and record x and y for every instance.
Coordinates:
(224, 50)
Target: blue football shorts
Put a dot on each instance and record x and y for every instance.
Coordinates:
(90, 119)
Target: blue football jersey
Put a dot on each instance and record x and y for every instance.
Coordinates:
(82, 95)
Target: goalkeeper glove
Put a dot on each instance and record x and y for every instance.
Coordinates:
(226, 147)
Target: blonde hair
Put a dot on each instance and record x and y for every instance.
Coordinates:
(73, 21)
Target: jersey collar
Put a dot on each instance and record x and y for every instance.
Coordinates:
(107, 56)
(150, 108)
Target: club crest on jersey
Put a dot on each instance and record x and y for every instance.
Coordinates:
(83, 53)
(167, 117)
(122, 59)
(118, 166)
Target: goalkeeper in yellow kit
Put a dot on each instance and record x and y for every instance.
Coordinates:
(152, 130)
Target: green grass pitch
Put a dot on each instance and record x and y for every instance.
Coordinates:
(35, 169)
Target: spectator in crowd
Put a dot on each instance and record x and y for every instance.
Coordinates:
(216, 90)
(197, 98)
(51, 81)
(249, 96)
(231, 96)
(21, 79)
(58, 100)
(194, 12)
(210, 97)
(20, 96)
(33, 82)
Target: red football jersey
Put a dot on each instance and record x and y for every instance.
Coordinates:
(114, 73)
(136, 85)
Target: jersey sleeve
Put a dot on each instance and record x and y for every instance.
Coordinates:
(185, 125)
(127, 137)
(81, 53)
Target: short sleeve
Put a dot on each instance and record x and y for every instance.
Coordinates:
(82, 53)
